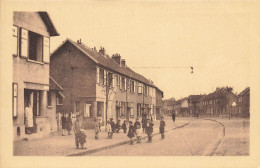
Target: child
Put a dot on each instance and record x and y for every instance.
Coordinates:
(138, 133)
(118, 126)
(162, 125)
(109, 130)
(124, 126)
(149, 130)
(69, 124)
(131, 132)
(63, 123)
(97, 129)
(82, 138)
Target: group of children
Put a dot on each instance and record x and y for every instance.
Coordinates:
(134, 130)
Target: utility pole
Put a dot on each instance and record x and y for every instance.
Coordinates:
(126, 107)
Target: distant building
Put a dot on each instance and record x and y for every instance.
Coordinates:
(31, 32)
(194, 104)
(181, 107)
(220, 102)
(94, 82)
(168, 106)
(244, 103)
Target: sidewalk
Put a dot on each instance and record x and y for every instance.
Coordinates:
(57, 145)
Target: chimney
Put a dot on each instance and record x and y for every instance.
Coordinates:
(79, 41)
(102, 50)
(123, 62)
(117, 58)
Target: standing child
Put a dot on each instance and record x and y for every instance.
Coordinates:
(109, 130)
(131, 132)
(162, 125)
(124, 126)
(138, 133)
(69, 124)
(82, 138)
(63, 124)
(97, 129)
(149, 130)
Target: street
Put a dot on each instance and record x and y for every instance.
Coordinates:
(200, 137)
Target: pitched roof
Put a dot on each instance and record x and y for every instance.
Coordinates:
(50, 26)
(54, 85)
(107, 62)
(244, 91)
(195, 98)
(218, 93)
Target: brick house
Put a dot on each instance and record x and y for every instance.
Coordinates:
(221, 102)
(94, 82)
(168, 106)
(194, 104)
(31, 34)
(181, 107)
(244, 103)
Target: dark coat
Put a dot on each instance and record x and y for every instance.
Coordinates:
(131, 131)
(69, 124)
(149, 129)
(124, 126)
(162, 125)
(63, 122)
(173, 116)
(113, 126)
(136, 124)
(144, 123)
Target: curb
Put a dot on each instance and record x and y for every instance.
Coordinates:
(120, 143)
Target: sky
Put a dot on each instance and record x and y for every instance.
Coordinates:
(214, 38)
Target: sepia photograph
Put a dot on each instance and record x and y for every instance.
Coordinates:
(141, 79)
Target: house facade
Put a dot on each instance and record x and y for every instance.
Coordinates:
(244, 103)
(97, 85)
(194, 104)
(181, 107)
(221, 102)
(31, 34)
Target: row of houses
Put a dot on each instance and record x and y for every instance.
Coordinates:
(221, 102)
(73, 79)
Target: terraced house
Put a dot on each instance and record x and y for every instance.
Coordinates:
(97, 85)
(221, 102)
(31, 34)
(244, 103)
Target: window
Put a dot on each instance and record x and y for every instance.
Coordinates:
(117, 79)
(77, 104)
(59, 100)
(122, 109)
(101, 76)
(49, 98)
(151, 108)
(46, 49)
(98, 78)
(240, 110)
(110, 79)
(140, 88)
(139, 106)
(87, 110)
(240, 99)
(132, 86)
(123, 83)
(113, 80)
(15, 99)
(14, 40)
(132, 112)
(105, 77)
(35, 46)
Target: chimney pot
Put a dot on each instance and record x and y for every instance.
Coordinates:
(123, 62)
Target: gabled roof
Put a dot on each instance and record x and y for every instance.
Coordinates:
(195, 98)
(244, 91)
(107, 62)
(218, 93)
(181, 100)
(50, 26)
(54, 85)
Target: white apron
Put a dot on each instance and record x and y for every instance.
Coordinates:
(28, 117)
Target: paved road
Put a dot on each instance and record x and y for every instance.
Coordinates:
(200, 137)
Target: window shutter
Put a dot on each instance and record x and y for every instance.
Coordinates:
(134, 86)
(46, 49)
(24, 43)
(14, 40)
(113, 80)
(120, 81)
(98, 73)
(105, 78)
(125, 83)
